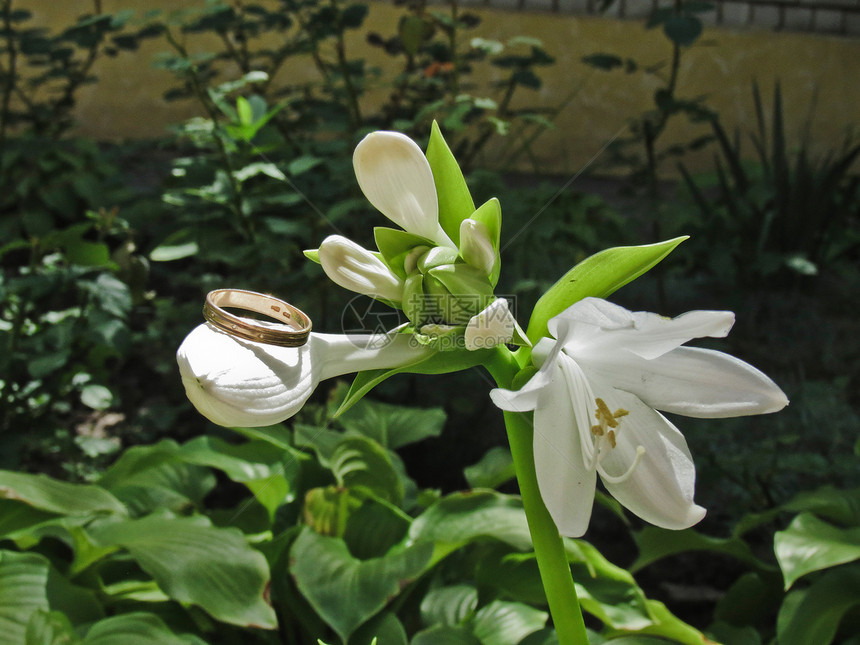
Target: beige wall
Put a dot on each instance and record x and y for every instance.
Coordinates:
(126, 102)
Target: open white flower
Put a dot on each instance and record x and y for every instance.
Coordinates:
(602, 375)
(240, 383)
(396, 178)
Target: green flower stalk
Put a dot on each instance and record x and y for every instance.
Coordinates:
(580, 396)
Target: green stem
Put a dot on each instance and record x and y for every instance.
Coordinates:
(548, 545)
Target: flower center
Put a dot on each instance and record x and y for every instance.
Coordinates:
(605, 432)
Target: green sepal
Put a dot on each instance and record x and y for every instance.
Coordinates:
(596, 276)
(436, 363)
(464, 288)
(313, 255)
(437, 256)
(413, 298)
(455, 201)
(394, 244)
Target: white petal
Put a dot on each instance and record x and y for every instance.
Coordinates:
(526, 398)
(491, 327)
(396, 178)
(235, 382)
(598, 327)
(566, 484)
(357, 269)
(661, 487)
(591, 312)
(691, 381)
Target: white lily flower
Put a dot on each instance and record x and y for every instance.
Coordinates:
(475, 245)
(240, 383)
(357, 269)
(491, 327)
(603, 374)
(396, 178)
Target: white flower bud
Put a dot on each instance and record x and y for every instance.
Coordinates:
(475, 245)
(357, 269)
(493, 326)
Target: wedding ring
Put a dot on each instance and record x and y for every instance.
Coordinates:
(260, 332)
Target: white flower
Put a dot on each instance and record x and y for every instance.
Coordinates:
(396, 178)
(493, 326)
(240, 383)
(357, 269)
(475, 245)
(594, 398)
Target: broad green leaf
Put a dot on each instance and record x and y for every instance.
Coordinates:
(50, 628)
(449, 605)
(136, 628)
(393, 426)
(79, 604)
(374, 528)
(194, 562)
(506, 623)
(749, 598)
(23, 578)
(147, 478)
(346, 591)
(607, 591)
(494, 469)
(455, 201)
(728, 633)
(812, 616)
(462, 517)
(655, 543)
(513, 576)
(809, 544)
(53, 495)
(436, 363)
(840, 506)
(383, 629)
(359, 462)
(445, 635)
(16, 517)
(597, 276)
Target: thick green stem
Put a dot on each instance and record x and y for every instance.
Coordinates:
(548, 545)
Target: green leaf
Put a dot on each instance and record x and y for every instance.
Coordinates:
(506, 623)
(136, 628)
(463, 517)
(97, 397)
(17, 517)
(359, 462)
(244, 111)
(655, 543)
(445, 635)
(812, 616)
(50, 628)
(393, 426)
(23, 578)
(345, 591)
(44, 493)
(450, 605)
(194, 562)
(494, 469)
(455, 201)
(809, 544)
(597, 276)
(177, 246)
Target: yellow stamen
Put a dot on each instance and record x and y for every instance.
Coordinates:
(597, 431)
(611, 436)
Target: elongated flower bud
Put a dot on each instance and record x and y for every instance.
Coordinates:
(357, 269)
(475, 245)
(493, 326)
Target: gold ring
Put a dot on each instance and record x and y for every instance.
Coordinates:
(260, 303)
